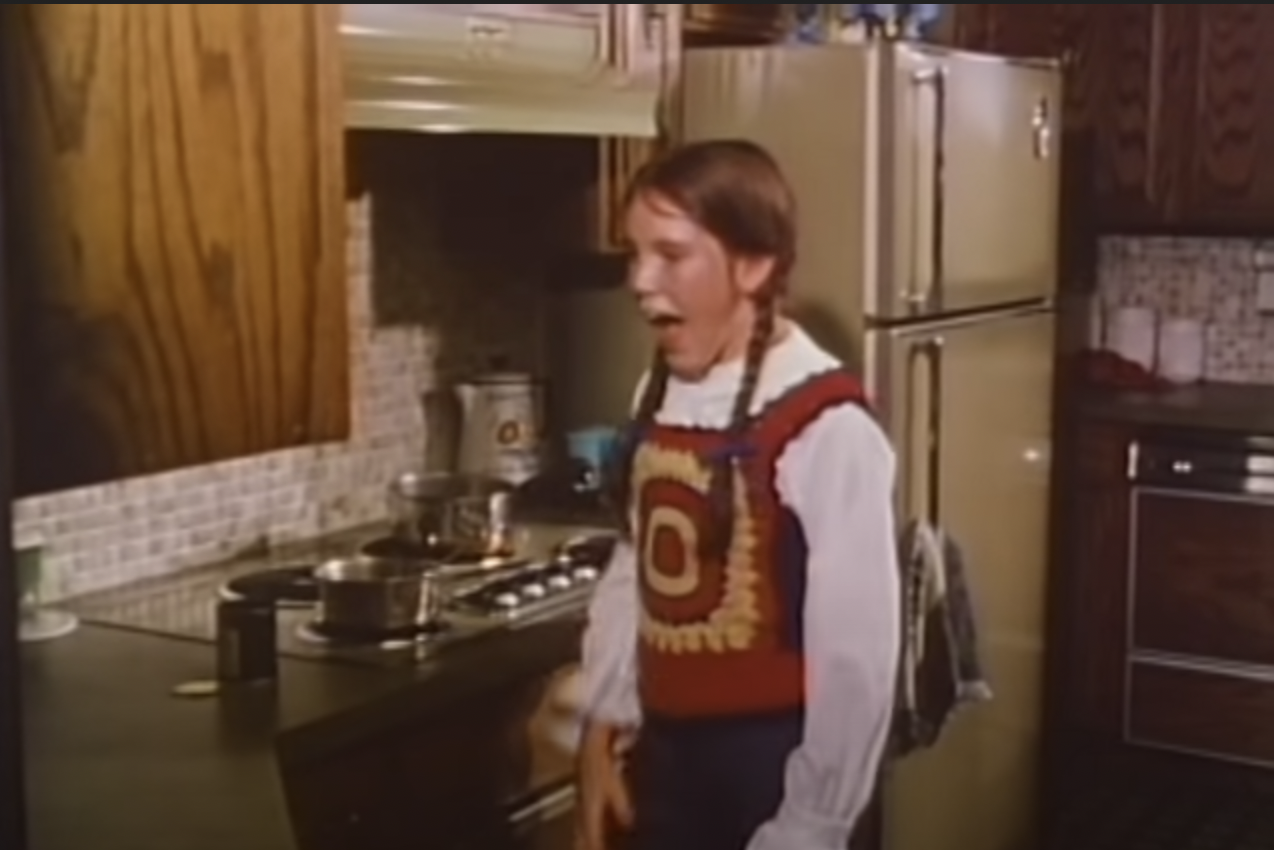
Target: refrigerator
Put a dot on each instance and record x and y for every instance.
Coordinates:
(927, 183)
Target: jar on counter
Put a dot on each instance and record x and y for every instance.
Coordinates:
(1181, 350)
(1131, 335)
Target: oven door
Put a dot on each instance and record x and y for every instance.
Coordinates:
(546, 824)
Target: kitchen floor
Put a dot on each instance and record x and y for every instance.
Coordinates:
(1163, 803)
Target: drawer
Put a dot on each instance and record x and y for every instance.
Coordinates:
(1202, 576)
(1224, 714)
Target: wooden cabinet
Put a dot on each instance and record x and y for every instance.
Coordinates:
(1088, 620)
(440, 779)
(177, 252)
(1162, 620)
(687, 26)
(733, 23)
(1173, 105)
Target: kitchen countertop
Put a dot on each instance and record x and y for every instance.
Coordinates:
(1246, 408)
(115, 761)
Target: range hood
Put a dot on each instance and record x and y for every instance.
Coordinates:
(592, 70)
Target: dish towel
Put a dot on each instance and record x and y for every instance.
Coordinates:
(940, 668)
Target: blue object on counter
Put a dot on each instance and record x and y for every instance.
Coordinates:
(593, 446)
(808, 24)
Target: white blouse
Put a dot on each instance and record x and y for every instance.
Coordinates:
(838, 477)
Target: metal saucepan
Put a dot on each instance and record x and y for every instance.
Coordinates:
(376, 596)
(461, 513)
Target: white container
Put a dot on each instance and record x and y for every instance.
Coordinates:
(1131, 335)
(1181, 350)
(502, 433)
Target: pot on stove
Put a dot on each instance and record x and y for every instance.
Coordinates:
(373, 596)
(453, 513)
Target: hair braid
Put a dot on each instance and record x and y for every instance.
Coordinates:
(721, 485)
(620, 478)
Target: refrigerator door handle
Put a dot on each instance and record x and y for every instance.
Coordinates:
(928, 353)
(933, 459)
(930, 298)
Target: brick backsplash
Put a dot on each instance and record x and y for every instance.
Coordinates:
(99, 536)
(1212, 280)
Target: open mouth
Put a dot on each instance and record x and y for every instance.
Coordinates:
(661, 321)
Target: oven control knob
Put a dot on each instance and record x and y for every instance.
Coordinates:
(559, 582)
(507, 600)
(585, 573)
(534, 590)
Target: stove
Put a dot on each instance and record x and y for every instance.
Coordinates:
(553, 576)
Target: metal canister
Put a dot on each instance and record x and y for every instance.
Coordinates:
(247, 641)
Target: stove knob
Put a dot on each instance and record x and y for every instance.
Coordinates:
(559, 581)
(507, 600)
(535, 590)
(585, 573)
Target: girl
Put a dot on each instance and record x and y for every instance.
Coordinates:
(747, 631)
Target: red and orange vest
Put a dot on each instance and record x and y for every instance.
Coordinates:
(725, 637)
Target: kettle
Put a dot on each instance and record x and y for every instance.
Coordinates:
(490, 426)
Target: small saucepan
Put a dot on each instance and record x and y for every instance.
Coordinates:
(366, 595)
(455, 513)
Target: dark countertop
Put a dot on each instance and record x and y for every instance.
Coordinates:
(115, 761)
(1246, 408)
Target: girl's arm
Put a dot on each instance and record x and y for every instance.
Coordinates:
(609, 667)
(838, 476)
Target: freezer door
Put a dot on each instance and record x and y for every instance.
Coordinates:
(971, 215)
(968, 406)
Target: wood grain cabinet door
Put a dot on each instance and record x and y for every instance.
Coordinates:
(1230, 176)
(178, 248)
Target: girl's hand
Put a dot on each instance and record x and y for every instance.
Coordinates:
(605, 804)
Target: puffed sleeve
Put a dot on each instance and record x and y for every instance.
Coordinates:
(838, 477)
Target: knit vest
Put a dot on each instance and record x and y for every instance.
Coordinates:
(724, 637)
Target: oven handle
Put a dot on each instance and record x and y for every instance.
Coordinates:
(549, 805)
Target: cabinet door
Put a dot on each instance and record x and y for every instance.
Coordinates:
(1230, 178)
(1034, 30)
(1138, 53)
(180, 257)
(1088, 604)
(733, 22)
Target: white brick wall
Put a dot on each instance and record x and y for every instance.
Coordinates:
(99, 536)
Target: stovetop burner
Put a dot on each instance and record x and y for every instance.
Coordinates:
(291, 586)
(315, 631)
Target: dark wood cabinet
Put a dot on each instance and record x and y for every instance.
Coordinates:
(732, 23)
(440, 780)
(1162, 607)
(1089, 611)
(697, 25)
(178, 265)
(1166, 104)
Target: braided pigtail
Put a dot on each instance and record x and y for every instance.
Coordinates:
(721, 485)
(619, 478)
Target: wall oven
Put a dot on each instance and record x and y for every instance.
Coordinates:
(1200, 666)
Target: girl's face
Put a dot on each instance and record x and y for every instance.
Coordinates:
(696, 295)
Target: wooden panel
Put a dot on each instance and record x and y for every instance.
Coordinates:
(1204, 712)
(706, 23)
(179, 258)
(1140, 54)
(1203, 581)
(1102, 453)
(1230, 183)
(1095, 605)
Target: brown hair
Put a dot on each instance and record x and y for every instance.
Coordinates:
(735, 191)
